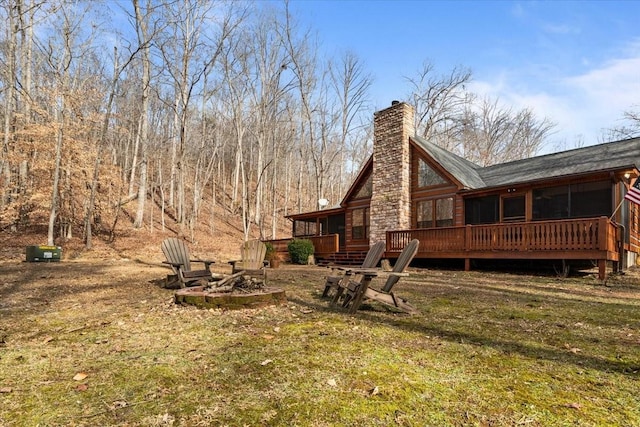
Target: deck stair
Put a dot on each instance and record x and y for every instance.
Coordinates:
(352, 258)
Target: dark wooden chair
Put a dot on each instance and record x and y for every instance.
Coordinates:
(177, 254)
(252, 262)
(343, 274)
(357, 292)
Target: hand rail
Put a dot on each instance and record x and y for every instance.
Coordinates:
(583, 234)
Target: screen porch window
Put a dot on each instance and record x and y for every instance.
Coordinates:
(304, 228)
(513, 209)
(589, 199)
(360, 224)
(481, 210)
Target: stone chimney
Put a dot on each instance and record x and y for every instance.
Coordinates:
(391, 199)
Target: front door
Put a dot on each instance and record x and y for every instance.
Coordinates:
(336, 226)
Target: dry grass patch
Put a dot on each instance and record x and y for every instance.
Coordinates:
(99, 343)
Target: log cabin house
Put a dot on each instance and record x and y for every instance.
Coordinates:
(566, 206)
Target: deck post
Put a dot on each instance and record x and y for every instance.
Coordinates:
(467, 264)
(467, 238)
(602, 269)
(602, 233)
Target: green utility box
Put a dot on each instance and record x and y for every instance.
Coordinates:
(44, 253)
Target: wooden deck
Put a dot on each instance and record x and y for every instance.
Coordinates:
(595, 239)
(577, 239)
(324, 246)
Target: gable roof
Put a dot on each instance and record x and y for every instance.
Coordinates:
(617, 155)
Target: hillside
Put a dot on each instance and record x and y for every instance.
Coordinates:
(222, 243)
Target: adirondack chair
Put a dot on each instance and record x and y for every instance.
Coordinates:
(177, 254)
(253, 263)
(358, 292)
(343, 274)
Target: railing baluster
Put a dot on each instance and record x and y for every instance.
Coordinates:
(560, 235)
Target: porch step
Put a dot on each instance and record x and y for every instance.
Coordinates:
(352, 258)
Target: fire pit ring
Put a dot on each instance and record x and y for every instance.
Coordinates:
(203, 297)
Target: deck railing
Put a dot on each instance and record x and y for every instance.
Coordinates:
(323, 245)
(329, 244)
(587, 234)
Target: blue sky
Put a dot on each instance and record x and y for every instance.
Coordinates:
(574, 62)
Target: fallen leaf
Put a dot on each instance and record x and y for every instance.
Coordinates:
(374, 391)
(575, 350)
(80, 376)
(6, 389)
(573, 405)
(82, 387)
(276, 329)
(47, 339)
(332, 382)
(266, 362)
(306, 310)
(268, 337)
(119, 404)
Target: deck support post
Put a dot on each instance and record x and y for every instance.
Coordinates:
(602, 269)
(467, 264)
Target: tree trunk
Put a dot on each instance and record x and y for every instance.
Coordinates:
(88, 218)
(143, 40)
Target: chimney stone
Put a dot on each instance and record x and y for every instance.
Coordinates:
(391, 199)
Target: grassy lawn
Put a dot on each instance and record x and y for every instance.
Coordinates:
(98, 343)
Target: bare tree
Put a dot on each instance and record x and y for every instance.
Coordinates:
(101, 143)
(351, 84)
(9, 78)
(438, 101)
(494, 134)
(144, 39)
(315, 145)
(237, 75)
(629, 129)
(198, 45)
(60, 63)
(484, 132)
(272, 82)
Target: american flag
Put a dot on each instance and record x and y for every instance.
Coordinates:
(634, 192)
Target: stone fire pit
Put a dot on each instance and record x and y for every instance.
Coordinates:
(243, 292)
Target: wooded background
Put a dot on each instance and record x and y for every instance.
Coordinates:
(138, 112)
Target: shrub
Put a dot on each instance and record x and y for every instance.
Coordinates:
(271, 251)
(299, 250)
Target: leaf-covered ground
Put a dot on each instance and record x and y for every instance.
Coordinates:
(92, 342)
